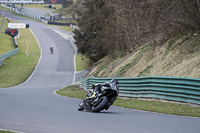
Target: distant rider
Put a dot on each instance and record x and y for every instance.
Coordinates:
(51, 49)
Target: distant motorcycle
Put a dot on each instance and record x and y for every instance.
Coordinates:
(51, 49)
(100, 100)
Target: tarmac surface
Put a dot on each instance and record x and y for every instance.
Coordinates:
(33, 107)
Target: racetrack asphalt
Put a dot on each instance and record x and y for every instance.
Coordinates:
(32, 107)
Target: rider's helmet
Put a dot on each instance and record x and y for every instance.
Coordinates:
(114, 81)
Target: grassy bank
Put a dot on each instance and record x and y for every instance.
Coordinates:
(177, 57)
(154, 106)
(3, 131)
(3, 8)
(41, 6)
(72, 91)
(82, 62)
(19, 67)
(6, 41)
(65, 28)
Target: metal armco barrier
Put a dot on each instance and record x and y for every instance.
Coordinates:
(169, 88)
(27, 15)
(8, 54)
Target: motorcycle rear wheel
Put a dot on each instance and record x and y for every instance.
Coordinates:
(102, 104)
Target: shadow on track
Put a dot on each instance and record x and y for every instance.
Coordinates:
(102, 112)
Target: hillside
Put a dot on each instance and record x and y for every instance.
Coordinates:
(179, 56)
(140, 38)
(107, 26)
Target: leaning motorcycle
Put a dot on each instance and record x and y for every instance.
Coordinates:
(96, 101)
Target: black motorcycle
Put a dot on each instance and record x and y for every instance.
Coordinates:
(97, 101)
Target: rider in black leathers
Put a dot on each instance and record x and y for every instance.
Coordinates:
(97, 87)
(113, 84)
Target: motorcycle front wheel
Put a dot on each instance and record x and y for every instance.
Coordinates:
(81, 106)
(103, 101)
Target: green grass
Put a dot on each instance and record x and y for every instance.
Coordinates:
(3, 131)
(6, 41)
(65, 28)
(160, 107)
(3, 8)
(19, 67)
(72, 91)
(145, 71)
(153, 106)
(41, 6)
(82, 62)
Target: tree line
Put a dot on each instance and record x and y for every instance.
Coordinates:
(107, 27)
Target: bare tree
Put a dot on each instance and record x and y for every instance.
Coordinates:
(107, 26)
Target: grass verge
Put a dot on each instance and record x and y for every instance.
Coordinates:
(62, 27)
(19, 67)
(82, 62)
(3, 131)
(41, 6)
(6, 41)
(73, 91)
(3, 8)
(154, 106)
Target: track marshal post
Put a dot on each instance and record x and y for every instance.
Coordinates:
(12, 29)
